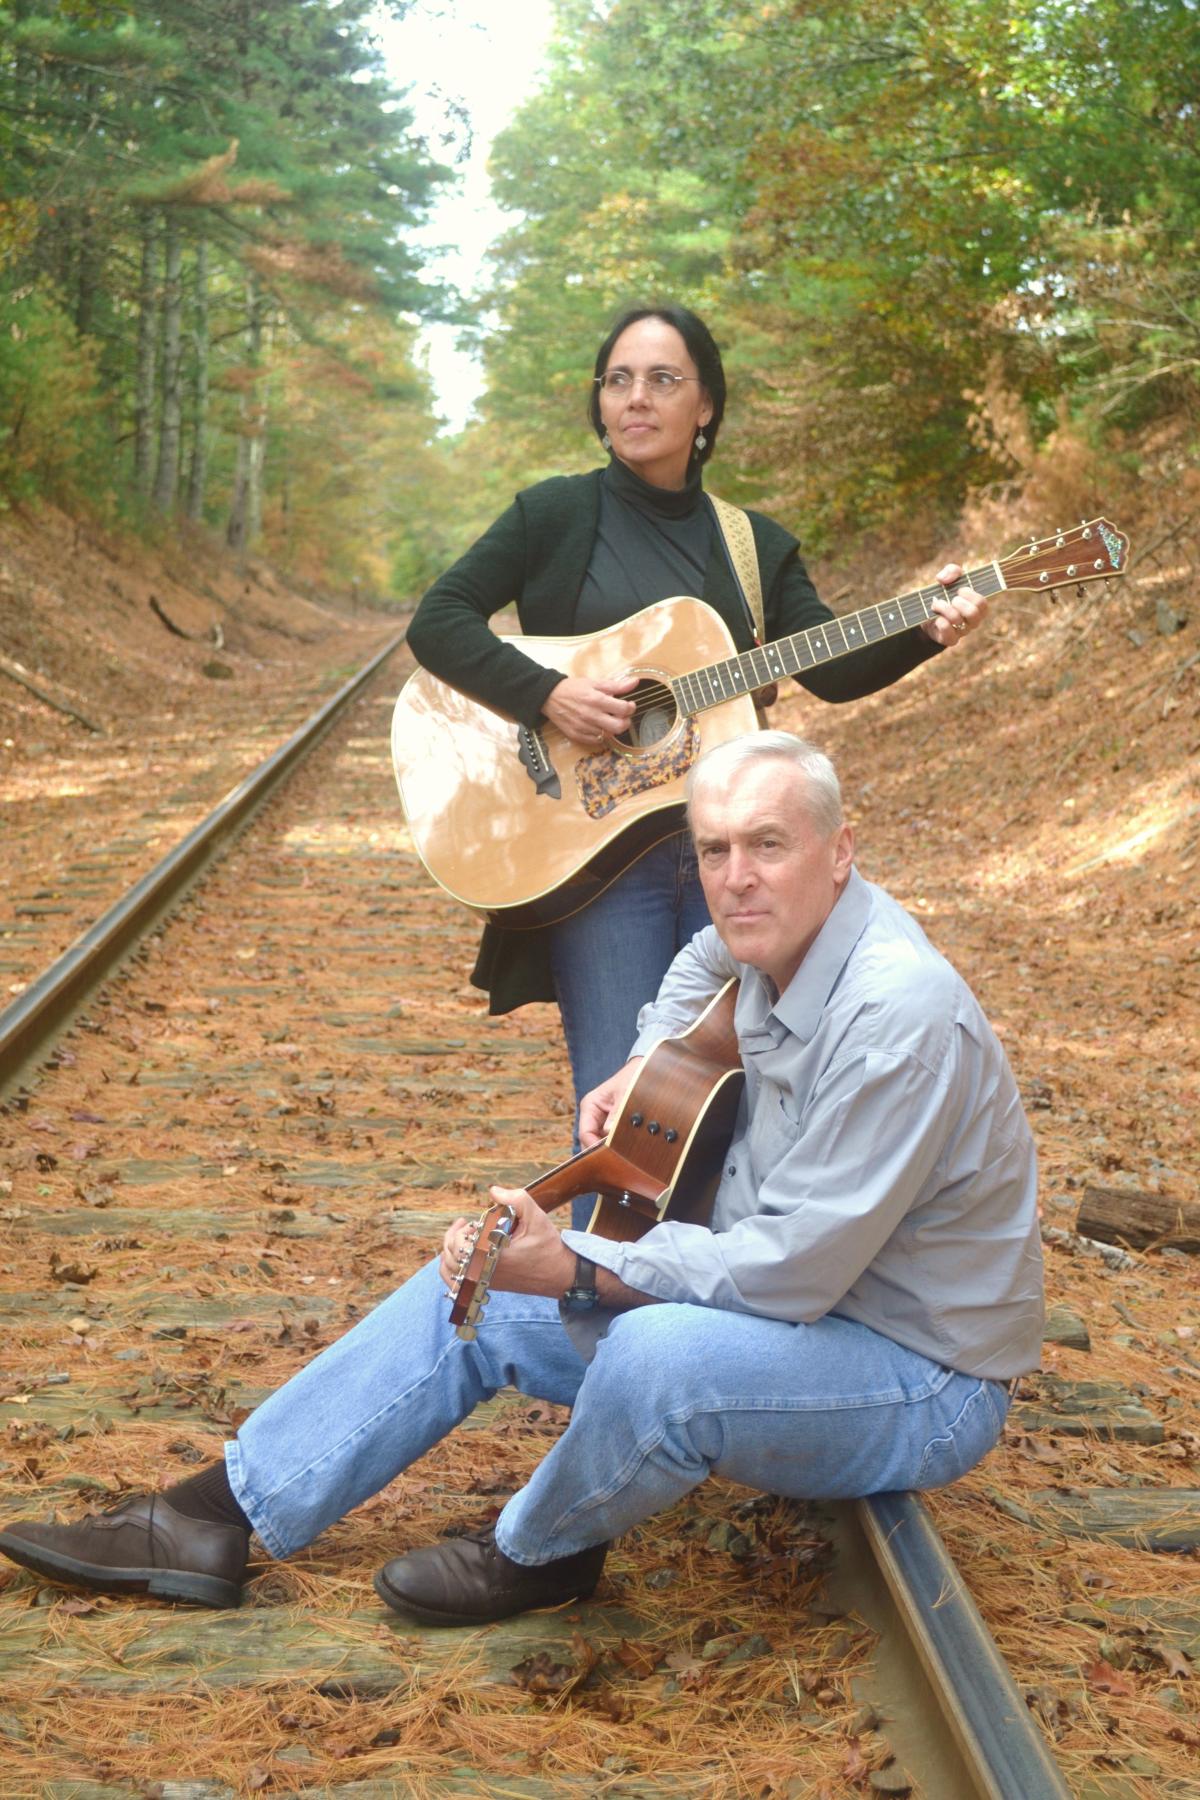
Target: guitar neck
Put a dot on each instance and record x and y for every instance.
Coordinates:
(600, 1168)
(795, 655)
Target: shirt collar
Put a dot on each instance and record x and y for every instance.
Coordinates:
(654, 502)
(806, 996)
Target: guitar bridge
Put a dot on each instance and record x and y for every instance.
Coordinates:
(535, 760)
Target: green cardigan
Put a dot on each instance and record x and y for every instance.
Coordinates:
(537, 555)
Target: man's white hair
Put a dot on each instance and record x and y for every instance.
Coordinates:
(821, 796)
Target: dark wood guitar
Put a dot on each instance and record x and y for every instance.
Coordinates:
(660, 1158)
(525, 827)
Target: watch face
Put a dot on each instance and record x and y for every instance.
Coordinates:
(581, 1296)
(578, 1300)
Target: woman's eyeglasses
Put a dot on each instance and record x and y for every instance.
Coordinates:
(658, 381)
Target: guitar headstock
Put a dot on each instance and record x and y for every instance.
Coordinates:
(1093, 551)
(470, 1290)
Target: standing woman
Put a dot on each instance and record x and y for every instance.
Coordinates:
(581, 552)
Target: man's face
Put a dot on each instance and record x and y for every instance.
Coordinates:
(771, 880)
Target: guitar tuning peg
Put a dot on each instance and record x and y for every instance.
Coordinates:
(1080, 590)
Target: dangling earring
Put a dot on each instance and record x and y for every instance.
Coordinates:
(701, 440)
(606, 441)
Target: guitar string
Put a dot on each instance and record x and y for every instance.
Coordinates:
(654, 695)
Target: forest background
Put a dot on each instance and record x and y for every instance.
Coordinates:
(944, 249)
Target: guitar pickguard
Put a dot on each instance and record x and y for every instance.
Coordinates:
(611, 776)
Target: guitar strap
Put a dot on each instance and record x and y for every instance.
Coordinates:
(738, 538)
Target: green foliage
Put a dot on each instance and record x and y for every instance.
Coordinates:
(348, 441)
(927, 239)
(54, 430)
(617, 208)
(264, 132)
(922, 236)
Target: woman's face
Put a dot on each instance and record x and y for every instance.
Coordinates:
(653, 432)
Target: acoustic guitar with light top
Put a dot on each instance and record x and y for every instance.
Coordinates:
(525, 827)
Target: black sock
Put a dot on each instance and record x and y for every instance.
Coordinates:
(208, 1495)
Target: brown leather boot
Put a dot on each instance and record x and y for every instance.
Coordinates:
(469, 1580)
(142, 1546)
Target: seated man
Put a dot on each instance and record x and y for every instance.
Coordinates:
(871, 1282)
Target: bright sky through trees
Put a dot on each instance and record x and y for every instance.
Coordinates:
(482, 55)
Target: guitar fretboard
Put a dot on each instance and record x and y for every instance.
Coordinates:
(721, 681)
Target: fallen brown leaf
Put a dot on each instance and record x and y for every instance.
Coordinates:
(1172, 1659)
(78, 1273)
(1106, 1680)
(541, 1674)
(640, 1660)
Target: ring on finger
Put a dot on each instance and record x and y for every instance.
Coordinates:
(958, 625)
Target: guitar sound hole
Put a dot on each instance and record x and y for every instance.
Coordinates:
(654, 718)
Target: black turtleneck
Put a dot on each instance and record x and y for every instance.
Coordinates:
(651, 544)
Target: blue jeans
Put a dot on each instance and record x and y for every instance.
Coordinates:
(824, 1411)
(609, 959)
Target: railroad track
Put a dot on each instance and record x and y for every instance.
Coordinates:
(227, 1137)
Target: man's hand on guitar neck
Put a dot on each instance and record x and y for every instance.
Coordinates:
(535, 1259)
(597, 1108)
(589, 711)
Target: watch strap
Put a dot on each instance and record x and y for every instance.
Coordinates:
(582, 1296)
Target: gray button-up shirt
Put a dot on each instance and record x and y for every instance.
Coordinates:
(881, 1167)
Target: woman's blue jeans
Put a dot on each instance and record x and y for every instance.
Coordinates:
(829, 1410)
(610, 958)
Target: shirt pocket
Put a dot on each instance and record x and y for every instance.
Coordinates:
(775, 1130)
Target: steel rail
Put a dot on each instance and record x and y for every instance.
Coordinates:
(29, 1024)
(992, 1733)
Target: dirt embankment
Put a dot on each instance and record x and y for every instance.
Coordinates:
(136, 687)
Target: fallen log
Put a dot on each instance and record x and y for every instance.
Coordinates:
(214, 635)
(20, 675)
(1139, 1221)
(165, 619)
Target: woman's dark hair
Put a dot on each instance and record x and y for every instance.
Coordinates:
(702, 349)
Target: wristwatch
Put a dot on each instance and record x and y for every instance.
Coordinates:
(581, 1296)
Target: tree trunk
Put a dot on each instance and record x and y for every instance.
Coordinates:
(166, 476)
(88, 268)
(245, 510)
(198, 467)
(143, 408)
(258, 458)
(89, 259)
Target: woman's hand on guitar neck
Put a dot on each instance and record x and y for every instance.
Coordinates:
(589, 711)
(597, 1108)
(958, 613)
